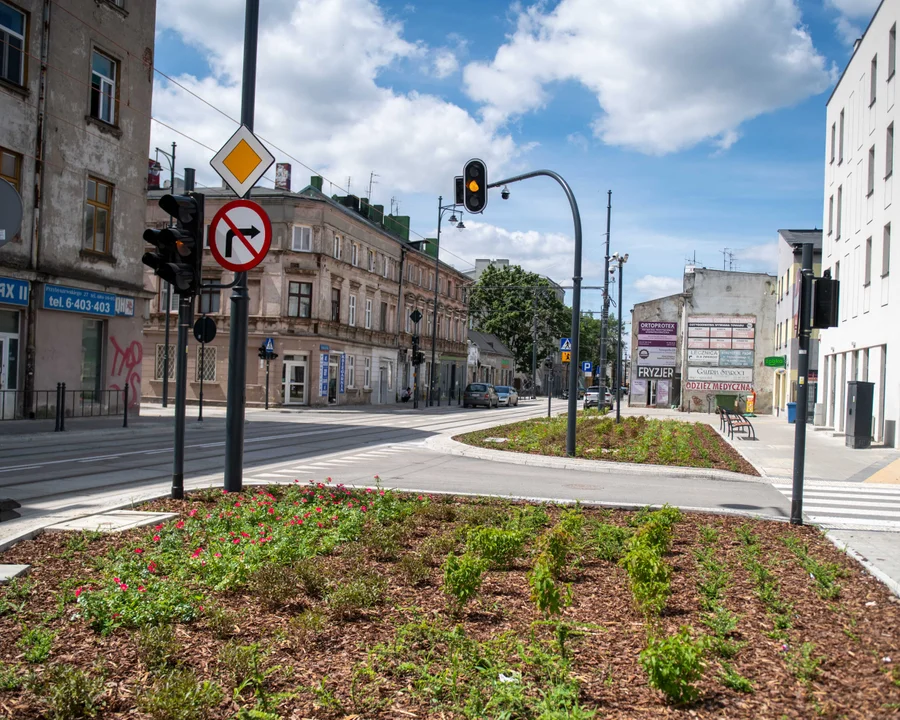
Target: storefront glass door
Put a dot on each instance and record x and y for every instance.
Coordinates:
(294, 378)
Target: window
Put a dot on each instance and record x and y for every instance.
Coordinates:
(833, 140)
(12, 44)
(336, 304)
(103, 87)
(351, 320)
(161, 298)
(870, 188)
(840, 198)
(206, 364)
(886, 251)
(873, 72)
(11, 166)
(408, 318)
(354, 254)
(841, 138)
(91, 358)
(371, 261)
(299, 299)
(892, 51)
(368, 314)
(889, 152)
(867, 277)
(387, 265)
(97, 211)
(302, 239)
(209, 301)
(410, 273)
(161, 361)
(368, 376)
(351, 371)
(830, 214)
(337, 247)
(383, 324)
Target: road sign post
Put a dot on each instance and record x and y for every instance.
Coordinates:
(204, 332)
(586, 366)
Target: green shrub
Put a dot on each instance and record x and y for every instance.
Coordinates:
(528, 519)
(274, 585)
(545, 592)
(221, 621)
(499, 547)
(463, 576)
(674, 664)
(36, 643)
(311, 576)
(385, 542)
(157, 645)
(572, 521)
(348, 599)
(487, 515)
(435, 548)
(9, 677)
(656, 534)
(731, 678)
(161, 602)
(611, 541)
(244, 665)
(804, 664)
(181, 696)
(556, 544)
(649, 577)
(70, 693)
(308, 624)
(414, 568)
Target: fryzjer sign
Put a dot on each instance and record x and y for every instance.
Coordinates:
(650, 372)
(718, 386)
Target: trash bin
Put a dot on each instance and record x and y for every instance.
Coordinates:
(792, 412)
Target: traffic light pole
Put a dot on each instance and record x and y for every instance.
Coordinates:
(166, 359)
(576, 297)
(185, 307)
(619, 351)
(805, 305)
(267, 383)
(240, 297)
(604, 316)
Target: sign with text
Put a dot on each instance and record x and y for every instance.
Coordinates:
(721, 332)
(720, 374)
(703, 357)
(736, 358)
(649, 372)
(657, 349)
(657, 356)
(323, 384)
(342, 373)
(718, 386)
(775, 361)
(87, 302)
(13, 291)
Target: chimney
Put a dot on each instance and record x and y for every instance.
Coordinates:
(316, 182)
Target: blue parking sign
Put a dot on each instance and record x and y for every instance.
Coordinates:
(586, 366)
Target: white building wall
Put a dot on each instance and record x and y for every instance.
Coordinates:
(859, 347)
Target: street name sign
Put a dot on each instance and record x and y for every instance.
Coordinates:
(240, 235)
(242, 161)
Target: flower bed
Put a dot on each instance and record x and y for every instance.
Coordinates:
(636, 439)
(325, 602)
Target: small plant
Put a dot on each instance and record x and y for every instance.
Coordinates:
(349, 598)
(731, 678)
(222, 622)
(385, 542)
(9, 677)
(804, 664)
(823, 574)
(545, 593)
(490, 514)
(674, 664)
(36, 643)
(157, 646)
(499, 547)
(309, 623)
(414, 568)
(462, 577)
(180, 695)
(708, 534)
(275, 586)
(70, 693)
(311, 576)
(649, 576)
(611, 541)
(436, 547)
(556, 544)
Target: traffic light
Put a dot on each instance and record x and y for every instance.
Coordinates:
(826, 293)
(458, 191)
(264, 354)
(418, 358)
(179, 249)
(475, 186)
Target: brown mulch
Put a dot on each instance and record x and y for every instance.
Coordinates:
(855, 633)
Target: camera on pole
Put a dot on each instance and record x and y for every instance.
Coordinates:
(179, 249)
(475, 183)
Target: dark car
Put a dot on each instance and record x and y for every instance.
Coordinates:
(477, 394)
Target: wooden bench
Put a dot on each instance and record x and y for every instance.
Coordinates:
(735, 421)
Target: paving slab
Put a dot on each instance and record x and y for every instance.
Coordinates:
(10, 572)
(112, 521)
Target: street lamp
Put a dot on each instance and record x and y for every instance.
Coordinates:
(620, 260)
(437, 270)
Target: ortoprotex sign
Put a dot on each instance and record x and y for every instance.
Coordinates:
(13, 291)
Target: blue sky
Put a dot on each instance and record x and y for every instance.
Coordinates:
(693, 112)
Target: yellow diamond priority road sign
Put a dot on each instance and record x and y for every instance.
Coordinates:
(242, 161)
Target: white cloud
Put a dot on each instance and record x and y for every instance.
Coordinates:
(757, 258)
(445, 63)
(861, 9)
(656, 286)
(318, 96)
(848, 31)
(667, 74)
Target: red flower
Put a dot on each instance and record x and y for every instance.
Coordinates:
(364, 508)
(193, 512)
(159, 527)
(318, 510)
(141, 588)
(117, 581)
(236, 541)
(138, 550)
(217, 555)
(156, 538)
(123, 587)
(197, 552)
(152, 566)
(78, 591)
(179, 524)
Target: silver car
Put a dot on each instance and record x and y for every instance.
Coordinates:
(507, 395)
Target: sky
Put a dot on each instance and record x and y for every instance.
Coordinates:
(705, 118)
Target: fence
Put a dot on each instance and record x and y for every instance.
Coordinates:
(61, 404)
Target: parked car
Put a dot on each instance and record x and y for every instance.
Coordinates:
(477, 394)
(507, 395)
(593, 395)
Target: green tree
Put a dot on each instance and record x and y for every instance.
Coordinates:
(506, 301)
(589, 340)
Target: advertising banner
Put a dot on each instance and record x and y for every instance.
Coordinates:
(87, 302)
(323, 364)
(656, 345)
(656, 356)
(720, 374)
(736, 358)
(703, 357)
(718, 386)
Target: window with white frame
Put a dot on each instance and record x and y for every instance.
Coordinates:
(840, 198)
(206, 364)
(104, 71)
(833, 140)
(159, 369)
(302, 239)
(886, 251)
(371, 261)
(387, 265)
(161, 298)
(889, 152)
(870, 187)
(410, 273)
(12, 44)
(351, 371)
(351, 319)
(831, 214)
(336, 251)
(408, 318)
(841, 138)
(368, 375)
(867, 269)
(892, 51)
(872, 80)
(354, 255)
(368, 314)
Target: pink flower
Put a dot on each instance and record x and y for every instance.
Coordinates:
(123, 587)
(156, 538)
(319, 524)
(193, 512)
(78, 591)
(141, 588)
(138, 550)
(179, 524)
(363, 508)
(217, 554)
(117, 581)
(318, 509)
(159, 527)
(197, 552)
(152, 566)
(236, 541)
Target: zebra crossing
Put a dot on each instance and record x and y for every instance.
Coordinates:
(850, 506)
(329, 466)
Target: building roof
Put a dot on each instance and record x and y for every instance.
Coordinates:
(489, 343)
(856, 47)
(797, 237)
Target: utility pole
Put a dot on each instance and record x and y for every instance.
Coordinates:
(803, 333)
(534, 341)
(604, 316)
(240, 297)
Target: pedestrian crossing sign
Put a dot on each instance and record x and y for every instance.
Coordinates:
(565, 344)
(270, 345)
(566, 357)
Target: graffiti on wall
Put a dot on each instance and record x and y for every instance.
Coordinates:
(125, 369)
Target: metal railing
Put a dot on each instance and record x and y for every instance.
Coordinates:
(61, 404)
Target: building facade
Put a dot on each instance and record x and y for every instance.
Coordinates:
(860, 218)
(75, 101)
(706, 345)
(790, 243)
(335, 294)
(490, 361)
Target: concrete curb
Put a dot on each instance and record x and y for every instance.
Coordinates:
(891, 584)
(450, 446)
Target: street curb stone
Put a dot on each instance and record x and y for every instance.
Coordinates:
(892, 584)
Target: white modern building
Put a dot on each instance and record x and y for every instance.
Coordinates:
(859, 215)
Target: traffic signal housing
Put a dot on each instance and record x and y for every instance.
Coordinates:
(179, 249)
(265, 354)
(475, 189)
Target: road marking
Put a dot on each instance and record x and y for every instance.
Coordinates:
(842, 502)
(851, 524)
(856, 489)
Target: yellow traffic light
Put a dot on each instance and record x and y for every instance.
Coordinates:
(473, 186)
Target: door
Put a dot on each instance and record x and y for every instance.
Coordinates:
(294, 378)
(9, 372)
(382, 384)
(333, 368)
